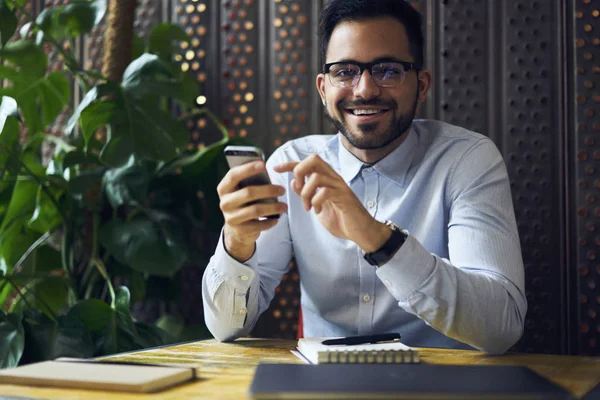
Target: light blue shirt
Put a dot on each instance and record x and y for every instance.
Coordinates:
(457, 281)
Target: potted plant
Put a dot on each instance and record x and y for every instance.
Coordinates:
(120, 196)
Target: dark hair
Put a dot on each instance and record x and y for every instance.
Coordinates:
(337, 11)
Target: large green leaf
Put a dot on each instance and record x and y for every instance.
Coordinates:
(96, 94)
(86, 186)
(127, 184)
(94, 314)
(145, 130)
(117, 150)
(96, 115)
(164, 38)
(118, 336)
(149, 75)
(12, 339)
(172, 324)
(73, 20)
(144, 245)
(8, 108)
(6, 291)
(8, 23)
(16, 3)
(203, 172)
(15, 239)
(121, 333)
(152, 335)
(29, 58)
(46, 215)
(41, 97)
(156, 134)
(47, 339)
(43, 261)
(138, 46)
(9, 151)
(9, 131)
(48, 294)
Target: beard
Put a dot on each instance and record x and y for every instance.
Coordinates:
(371, 136)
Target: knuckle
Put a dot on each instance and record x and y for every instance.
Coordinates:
(251, 191)
(220, 187)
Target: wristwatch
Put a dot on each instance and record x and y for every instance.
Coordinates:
(389, 248)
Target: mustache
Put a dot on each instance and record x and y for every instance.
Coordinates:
(370, 103)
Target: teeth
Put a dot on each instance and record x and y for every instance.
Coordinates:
(365, 112)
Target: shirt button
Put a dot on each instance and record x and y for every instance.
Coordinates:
(243, 311)
(366, 298)
(244, 277)
(370, 204)
(368, 169)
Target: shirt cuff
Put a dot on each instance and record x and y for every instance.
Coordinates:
(238, 275)
(408, 269)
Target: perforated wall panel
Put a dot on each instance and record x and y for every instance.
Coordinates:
(463, 70)
(498, 71)
(200, 57)
(532, 144)
(586, 208)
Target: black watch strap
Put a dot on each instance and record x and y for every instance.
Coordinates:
(389, 248)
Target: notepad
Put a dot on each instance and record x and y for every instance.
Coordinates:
(90, 375)
(377, 353)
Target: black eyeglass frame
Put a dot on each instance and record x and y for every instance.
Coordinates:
(407, 65)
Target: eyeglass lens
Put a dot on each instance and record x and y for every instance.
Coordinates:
(384, 74)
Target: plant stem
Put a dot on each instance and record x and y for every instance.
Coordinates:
(38, 298)
(33, 247)
(91, 283)
(37, 179)
(102, 269)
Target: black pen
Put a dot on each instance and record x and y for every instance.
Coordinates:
(352, 340)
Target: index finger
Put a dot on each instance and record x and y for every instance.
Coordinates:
(235, 175)
(286, 167)
(306, 167)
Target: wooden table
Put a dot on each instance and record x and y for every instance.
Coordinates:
(226, 369)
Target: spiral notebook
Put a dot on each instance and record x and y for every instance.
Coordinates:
(315, 352)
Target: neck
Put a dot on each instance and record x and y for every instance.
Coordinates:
(371, 156)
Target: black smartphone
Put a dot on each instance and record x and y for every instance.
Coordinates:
(239, 155)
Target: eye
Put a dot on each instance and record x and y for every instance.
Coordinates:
(387, 71)
(343, 71)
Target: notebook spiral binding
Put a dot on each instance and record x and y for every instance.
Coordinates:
(369, 357)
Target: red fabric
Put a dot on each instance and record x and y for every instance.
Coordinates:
(300, 327)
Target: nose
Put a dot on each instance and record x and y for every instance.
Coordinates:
(366, 87)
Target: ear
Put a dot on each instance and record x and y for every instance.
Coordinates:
(321, 87)
(425, 78)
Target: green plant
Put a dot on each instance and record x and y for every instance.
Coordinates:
(131, 203)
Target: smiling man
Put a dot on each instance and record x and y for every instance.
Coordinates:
(397, 225)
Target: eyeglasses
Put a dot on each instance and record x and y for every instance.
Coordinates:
(385, 73)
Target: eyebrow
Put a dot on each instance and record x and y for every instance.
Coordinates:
(379, 59)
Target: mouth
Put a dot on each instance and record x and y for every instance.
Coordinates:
(366, 114)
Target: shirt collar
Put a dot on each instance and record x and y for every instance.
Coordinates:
(394, 166)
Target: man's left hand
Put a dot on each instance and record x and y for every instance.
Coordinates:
(336, 206)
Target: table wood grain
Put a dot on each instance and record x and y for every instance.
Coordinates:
(226, 369)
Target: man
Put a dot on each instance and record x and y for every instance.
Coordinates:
(396, 226)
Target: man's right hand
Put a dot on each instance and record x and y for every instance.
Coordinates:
(242, 224)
